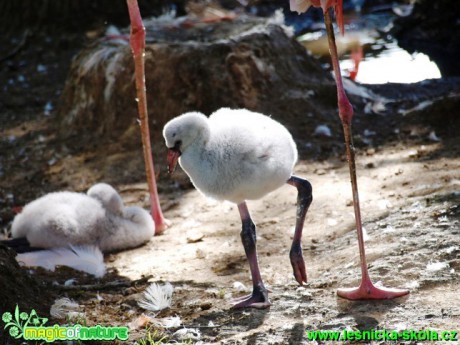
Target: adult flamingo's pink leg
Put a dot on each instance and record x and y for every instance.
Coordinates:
(366, 289)
(137, 42)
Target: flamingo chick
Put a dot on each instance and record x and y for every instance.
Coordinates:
(239, 155)
(67, 218)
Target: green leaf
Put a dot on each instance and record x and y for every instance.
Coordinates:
(9, 324)
(16, 313)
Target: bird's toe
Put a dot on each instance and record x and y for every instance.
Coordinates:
(160, 227)
(298, 267)
(257, 299)
(252, 302)
(370, 291)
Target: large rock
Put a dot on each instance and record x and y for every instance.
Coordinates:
(249, 63)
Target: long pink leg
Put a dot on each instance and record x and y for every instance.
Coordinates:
(138, 46)
(366, 290)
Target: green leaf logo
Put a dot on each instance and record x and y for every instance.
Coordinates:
(20, 321)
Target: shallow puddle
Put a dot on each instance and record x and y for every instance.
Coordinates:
(371, 56)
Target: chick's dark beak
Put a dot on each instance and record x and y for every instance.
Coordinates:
(172, 158)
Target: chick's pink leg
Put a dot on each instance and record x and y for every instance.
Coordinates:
(304, 199)
(259, 296)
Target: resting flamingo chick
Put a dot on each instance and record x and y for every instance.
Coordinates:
(239, 155)
(98, 218)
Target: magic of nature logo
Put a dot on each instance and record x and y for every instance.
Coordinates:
(30, 326)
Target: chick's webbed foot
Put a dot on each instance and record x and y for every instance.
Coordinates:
(298, 264)
(304, 199)
(258, 299)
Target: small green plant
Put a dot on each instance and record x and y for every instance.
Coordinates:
(152, 338)
(221, 294)
(156, 337)
(78, 318)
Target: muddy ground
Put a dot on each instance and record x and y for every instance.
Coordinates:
(410, 195)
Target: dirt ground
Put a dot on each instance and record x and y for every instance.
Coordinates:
(410, 199)
(412, 226)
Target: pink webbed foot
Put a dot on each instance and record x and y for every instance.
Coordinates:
(258, 299)
(162, 226)
(367, 290)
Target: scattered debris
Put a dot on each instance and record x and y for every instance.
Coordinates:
(322, 131)
(65, 308)
(436, 266)
(41, 68)
(239, 286)
(188, 334)
(200, 254)
(140, 322)
(194, 236)
(48, 108)
(171, 321)
(369, 133)
(433, 137)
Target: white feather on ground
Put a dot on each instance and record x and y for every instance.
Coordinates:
(156, 297)
(83, 258)
(65, 308)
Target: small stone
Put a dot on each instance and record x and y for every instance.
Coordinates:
(322, 131)
(194, 236)
(320, 171)
(200, 254)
